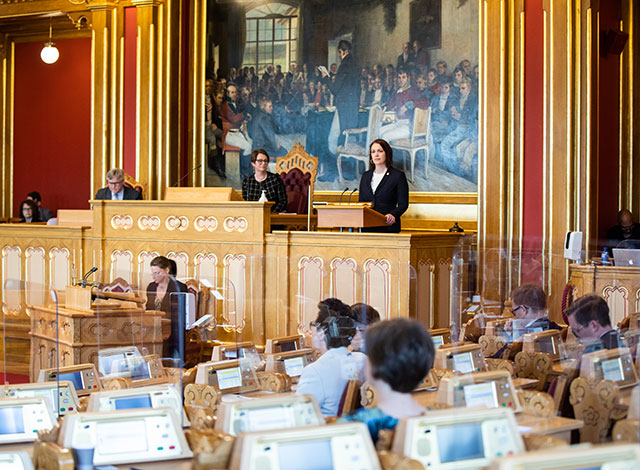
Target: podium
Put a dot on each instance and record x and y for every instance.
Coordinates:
(357, 215)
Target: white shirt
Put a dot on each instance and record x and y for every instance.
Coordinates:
(375, 180)
(443, 101)
(119, 196)
(327, 377)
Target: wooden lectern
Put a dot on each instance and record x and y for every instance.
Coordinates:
(349, 215)
(201, 194)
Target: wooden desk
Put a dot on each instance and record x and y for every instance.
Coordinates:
(294, 221)
(618, 285)
(555, 426)
(82, 334)
(270, 283)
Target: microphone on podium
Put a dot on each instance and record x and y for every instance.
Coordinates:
(182, 179)
(342, 194)
(86, 276)
(351, 194)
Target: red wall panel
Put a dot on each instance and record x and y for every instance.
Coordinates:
(609, 125)
(52, 125)
(533, 142)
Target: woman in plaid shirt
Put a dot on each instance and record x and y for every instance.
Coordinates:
(263, 180)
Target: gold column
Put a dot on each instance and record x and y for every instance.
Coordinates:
(195, 110)
(148, 94)
(630, 110)
(499, 205)
(6, 124)
(105, 152)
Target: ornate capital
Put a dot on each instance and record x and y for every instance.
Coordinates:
(97, 5)
(146, 3)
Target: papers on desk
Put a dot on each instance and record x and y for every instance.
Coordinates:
(524, 429)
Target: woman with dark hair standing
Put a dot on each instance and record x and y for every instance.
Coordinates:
(159, 297)
(385, 186)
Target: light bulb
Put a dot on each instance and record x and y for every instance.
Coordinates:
(49, 53)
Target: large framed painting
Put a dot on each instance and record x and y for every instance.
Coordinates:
(334, 76)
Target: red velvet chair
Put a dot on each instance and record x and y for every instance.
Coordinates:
(298, 170)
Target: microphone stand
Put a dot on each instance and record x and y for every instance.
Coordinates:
(183, 178)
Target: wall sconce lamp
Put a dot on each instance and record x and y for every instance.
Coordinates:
(49, 53)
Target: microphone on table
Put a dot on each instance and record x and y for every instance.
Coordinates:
(183, 178)
(86, 276)
(342, 194)
(351, 194)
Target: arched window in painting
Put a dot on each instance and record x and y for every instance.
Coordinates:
(272, 31)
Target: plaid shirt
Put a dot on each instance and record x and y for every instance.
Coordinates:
(272, 185)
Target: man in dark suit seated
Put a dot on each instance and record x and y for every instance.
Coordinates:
(626, 231)
(116, 190)
(590, 323)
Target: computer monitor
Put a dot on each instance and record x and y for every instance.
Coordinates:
(283, 344)
(610, 364)
(583, 457)
(282, 412)
(151, 396)
(440, 336)
(548, 341)
(62, 395)
(229, 351)
(290, 363)
(15, 461)
(127, 363)
(336, 447)
(451, 439)
(117, 362)
(463, 358)
(228, 376)
(22, 418)
(126, 436)
(84, 377)
(490, 389)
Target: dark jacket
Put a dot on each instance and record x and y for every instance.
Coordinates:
(346, 92)
(262, 130)
(130, 194)
(391, 196)
(170, 307)
(615, 236)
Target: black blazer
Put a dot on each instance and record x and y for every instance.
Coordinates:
(391, 196)
(130, 194)
(170, 307)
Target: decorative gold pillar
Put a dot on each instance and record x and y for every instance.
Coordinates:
(105, 152)
(148, 91)
(195, 111)
(630, 110)
(500, 147)
(569, 142)
(6, 124)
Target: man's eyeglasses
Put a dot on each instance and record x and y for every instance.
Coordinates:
(517, 308)
(314, 324)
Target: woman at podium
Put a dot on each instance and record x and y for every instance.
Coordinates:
(385, 186)
(264, 182)
(159, 297)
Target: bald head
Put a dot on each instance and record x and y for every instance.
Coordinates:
(625, 217)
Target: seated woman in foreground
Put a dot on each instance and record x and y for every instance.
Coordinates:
(159, 297)
(399, 355)
(327, 377)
